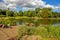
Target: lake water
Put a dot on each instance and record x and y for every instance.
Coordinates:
(31, 21)
(37, 22)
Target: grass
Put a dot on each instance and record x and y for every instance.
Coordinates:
(46, 32)
(18, 17)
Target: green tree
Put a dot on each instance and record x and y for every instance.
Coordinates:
(46, 12)
(25, 13)
(20, 13)
(29, 13)
(15, 14)
(38, 12)
(9, 13)
(0, 11)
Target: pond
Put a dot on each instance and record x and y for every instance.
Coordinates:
(37, 22)
(32, 21)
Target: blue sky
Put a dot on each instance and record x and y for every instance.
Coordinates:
(29, 4)
(52, 2)
(0, 0)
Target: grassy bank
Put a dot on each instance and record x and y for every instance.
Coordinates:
(26, 17)
(45, 32)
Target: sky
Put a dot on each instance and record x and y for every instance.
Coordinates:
(29, 4)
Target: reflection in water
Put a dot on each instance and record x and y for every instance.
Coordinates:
(34, 22)
(17, 23)
(56, 24)
(38, 22)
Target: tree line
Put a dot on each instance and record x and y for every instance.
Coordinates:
(38, 12)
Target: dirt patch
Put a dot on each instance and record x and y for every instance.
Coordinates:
(8, 33)
(36, 37)
(32, 37)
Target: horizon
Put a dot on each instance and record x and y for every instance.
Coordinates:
(29, 4)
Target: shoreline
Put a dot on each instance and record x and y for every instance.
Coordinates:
(26, 17)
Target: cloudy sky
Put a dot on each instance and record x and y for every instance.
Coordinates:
(29, 4)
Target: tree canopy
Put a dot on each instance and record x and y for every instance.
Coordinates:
(38, 12)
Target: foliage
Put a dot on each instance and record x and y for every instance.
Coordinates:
(9, 13)
(20, 13)
(38, 12)
(43, 31)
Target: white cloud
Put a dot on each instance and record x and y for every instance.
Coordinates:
(48, 5)
(11, 6)
(26, 4)
(25, 8)
(8, 1)
(2, 5)
(32, 3)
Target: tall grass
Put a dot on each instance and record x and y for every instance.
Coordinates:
(43, 31)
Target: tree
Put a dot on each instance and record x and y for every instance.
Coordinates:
(0, 12)
(39, 14)
(33, 14)
(25, 13)
(20, 13)
(9, 13)
(38, 11)
(46, 12)
(15, 14)
(29, 13)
